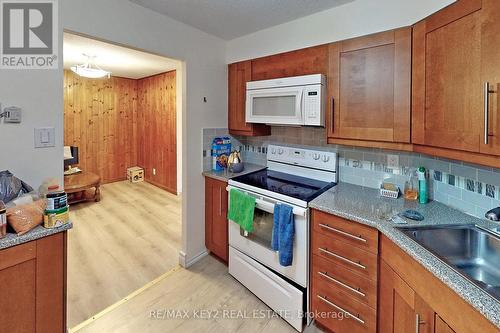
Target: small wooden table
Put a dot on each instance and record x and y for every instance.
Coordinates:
(77, 187)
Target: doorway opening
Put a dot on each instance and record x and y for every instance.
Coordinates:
(122, 138)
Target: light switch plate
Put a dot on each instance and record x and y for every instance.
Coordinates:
(393, 161)
(45, 137)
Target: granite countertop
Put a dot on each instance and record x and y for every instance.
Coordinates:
(360, 204)
(39, 232)
(226, 175)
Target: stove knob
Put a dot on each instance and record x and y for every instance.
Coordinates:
(280, 151)
(273, 151)
(316, 156)
(326, 158)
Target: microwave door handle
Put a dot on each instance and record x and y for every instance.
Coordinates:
(302, 104)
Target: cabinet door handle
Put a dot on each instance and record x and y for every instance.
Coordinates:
(487, 92)
(418, 322)
(359, 320)
(354, 290)
(349, 261)
(332, 115)
(358, 238)
(220, 201)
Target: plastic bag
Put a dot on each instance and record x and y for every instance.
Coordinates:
(12, 187)
(23, 218)
(24, 199)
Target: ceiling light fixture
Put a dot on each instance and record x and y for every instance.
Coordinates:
(90, 69)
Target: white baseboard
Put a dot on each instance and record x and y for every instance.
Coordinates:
(186, 263)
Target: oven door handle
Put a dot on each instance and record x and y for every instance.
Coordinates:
(268, 205)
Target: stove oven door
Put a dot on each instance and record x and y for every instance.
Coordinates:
(257, 244)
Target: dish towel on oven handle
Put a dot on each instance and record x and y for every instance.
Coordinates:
(283, 233)
(241, 209)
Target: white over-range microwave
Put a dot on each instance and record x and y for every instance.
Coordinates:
(295, 101)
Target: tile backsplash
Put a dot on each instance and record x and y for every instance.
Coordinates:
(470, 188)
(208, 135)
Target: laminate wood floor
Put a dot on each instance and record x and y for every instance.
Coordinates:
(205, 286)
(119, 244)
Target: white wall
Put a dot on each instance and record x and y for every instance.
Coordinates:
(205, 75)
(40, 95)
(354, 19)
(180, 98)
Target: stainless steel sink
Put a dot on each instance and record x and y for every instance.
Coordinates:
(472, 251)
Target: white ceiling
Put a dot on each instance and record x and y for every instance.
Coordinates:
(229, 19)
(120, 61)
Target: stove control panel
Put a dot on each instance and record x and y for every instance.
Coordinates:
(322, 160)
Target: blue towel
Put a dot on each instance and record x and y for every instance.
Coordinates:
(276, 225)
(283, 233)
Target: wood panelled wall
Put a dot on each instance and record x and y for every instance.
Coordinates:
(100, 118)
(117, 123)
(156, 123)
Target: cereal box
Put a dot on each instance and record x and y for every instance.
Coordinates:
(221, 148)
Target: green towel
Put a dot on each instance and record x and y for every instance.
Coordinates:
(241, 209)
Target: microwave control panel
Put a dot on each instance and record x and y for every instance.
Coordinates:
(314, 105)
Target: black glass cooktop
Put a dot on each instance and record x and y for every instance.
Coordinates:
(293, 186)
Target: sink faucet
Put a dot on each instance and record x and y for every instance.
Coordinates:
(493, 214)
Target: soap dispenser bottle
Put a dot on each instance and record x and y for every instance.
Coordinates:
(411, 186)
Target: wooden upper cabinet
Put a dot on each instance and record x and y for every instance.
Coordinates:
(490, 71)
(239, 74)
(369, 88)
(447, 90)
(311, 60)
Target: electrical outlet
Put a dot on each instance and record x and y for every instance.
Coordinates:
(154, 172)
(393, 161)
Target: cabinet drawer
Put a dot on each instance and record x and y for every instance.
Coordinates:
(349, 232)
(341, 313)
(344, 281)
(17, 254)
(338, 252)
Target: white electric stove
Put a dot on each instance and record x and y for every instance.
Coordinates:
(293, 176)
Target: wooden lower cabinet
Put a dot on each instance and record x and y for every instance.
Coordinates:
(362, 282)
(216, 223)
(340, 313)
(33, 286)
(410, 295)
(343, 274)
(402, 310)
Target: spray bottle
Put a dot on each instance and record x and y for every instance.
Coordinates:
(422, 186)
